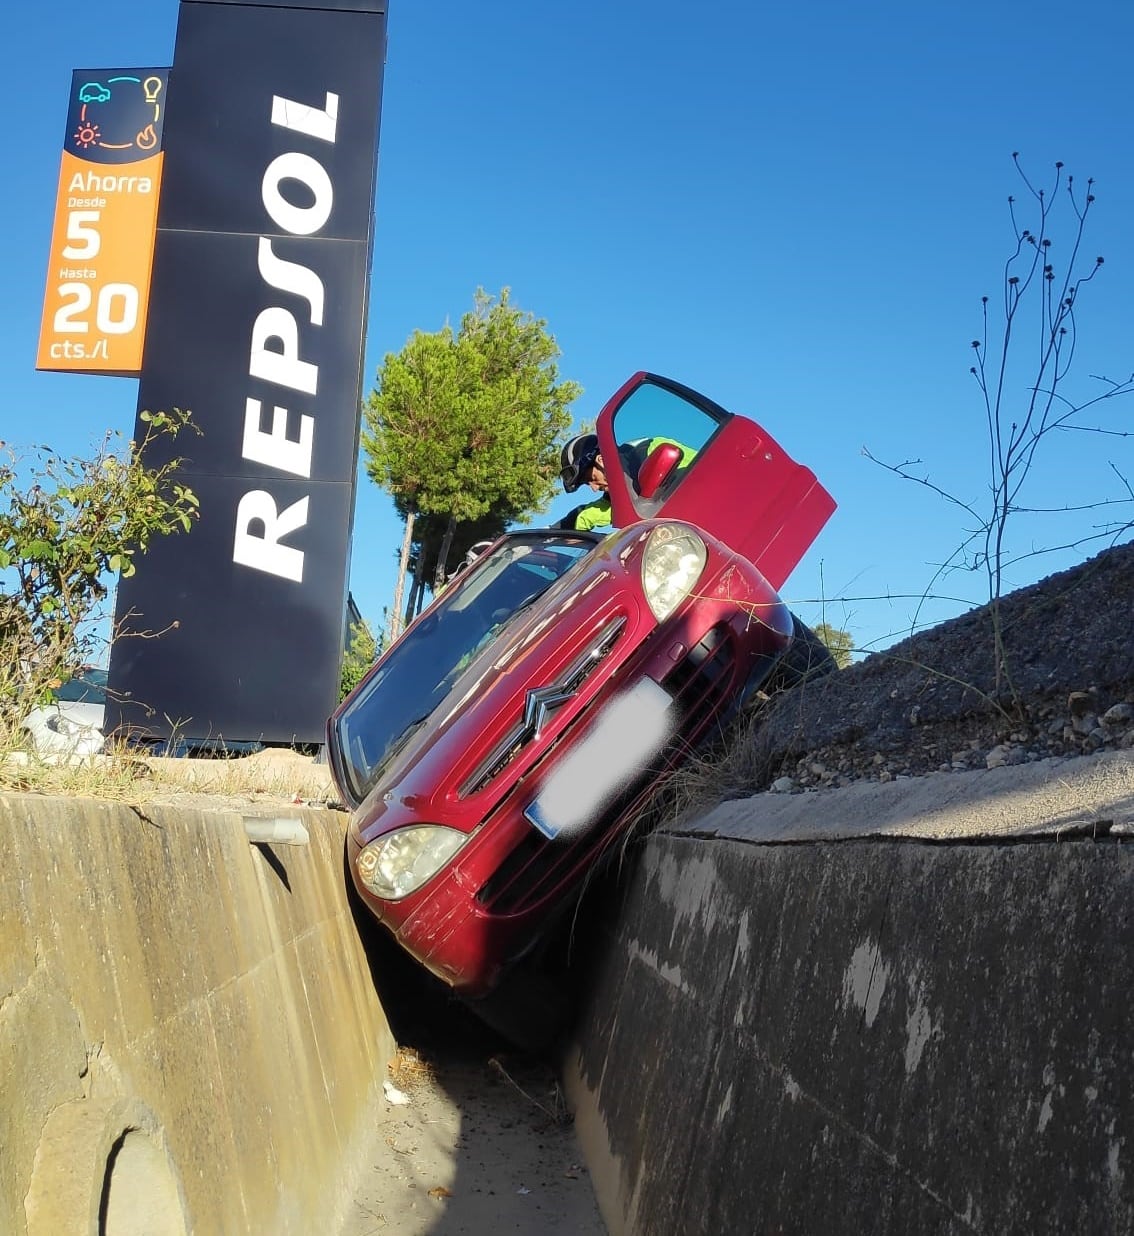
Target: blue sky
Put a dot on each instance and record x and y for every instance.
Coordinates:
(795, 209)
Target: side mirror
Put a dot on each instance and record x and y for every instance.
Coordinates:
(659, 466)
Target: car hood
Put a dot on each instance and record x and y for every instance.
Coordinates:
(434, 775)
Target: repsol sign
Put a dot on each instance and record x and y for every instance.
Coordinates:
(257, 326)
(276, 350)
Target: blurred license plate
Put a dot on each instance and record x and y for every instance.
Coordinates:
(630, 730)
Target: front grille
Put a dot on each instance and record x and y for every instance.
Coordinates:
(701, 683)
(526, 728)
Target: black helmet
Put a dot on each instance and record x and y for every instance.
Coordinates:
(576, 459)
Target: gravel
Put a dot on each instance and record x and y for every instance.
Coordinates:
(934, 702)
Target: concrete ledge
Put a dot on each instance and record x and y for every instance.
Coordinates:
(842, 1013)
(187, 1021)
(1055, 797)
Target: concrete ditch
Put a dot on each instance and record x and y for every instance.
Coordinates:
(888, 1008)
(191, 1036)
(885, 1008)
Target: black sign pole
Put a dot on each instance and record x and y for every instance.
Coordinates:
(257, 326)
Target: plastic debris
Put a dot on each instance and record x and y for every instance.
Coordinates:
(393, 1095)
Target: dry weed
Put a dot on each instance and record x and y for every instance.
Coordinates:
(121, 775)
(112, 776)
(409, 1068)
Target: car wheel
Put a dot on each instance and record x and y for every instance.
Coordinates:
(807, 657)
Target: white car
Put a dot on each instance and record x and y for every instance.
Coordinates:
(71, 725)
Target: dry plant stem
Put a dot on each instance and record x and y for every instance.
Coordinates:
(496, 1066)
(1016, 429)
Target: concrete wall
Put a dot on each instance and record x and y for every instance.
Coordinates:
(886, 1009)
(821, 1014)
(190, 1035)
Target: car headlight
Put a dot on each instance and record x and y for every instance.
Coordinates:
(398, 864)
(672, 563)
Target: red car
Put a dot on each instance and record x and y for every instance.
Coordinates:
(507, 739)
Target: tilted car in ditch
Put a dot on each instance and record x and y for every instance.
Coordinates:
(507, 740)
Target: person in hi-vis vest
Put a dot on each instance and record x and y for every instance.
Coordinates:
(581, 464)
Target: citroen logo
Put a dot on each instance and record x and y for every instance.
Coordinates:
(539, 704)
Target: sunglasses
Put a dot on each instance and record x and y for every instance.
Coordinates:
(580, 472)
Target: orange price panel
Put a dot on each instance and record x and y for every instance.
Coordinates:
(102, 241)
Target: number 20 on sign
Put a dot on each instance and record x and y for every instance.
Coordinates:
(102, 241)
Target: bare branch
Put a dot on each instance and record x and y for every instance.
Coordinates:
(1041, 289)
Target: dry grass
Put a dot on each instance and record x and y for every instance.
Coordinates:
(409, 1069)
(741, 763)
(733, 769)
(95, 777)
(277, 773)
(273, 775)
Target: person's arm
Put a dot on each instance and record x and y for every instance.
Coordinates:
(591, 515)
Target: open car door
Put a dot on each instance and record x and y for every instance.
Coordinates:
(684, 457)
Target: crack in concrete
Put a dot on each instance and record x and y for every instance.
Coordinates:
(18, 991)
(1097, 831)
(797, 1093)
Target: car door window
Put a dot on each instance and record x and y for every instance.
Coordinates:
(652, 413)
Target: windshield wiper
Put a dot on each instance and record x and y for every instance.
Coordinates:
(392, 750)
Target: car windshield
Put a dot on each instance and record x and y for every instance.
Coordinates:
(420, 670)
